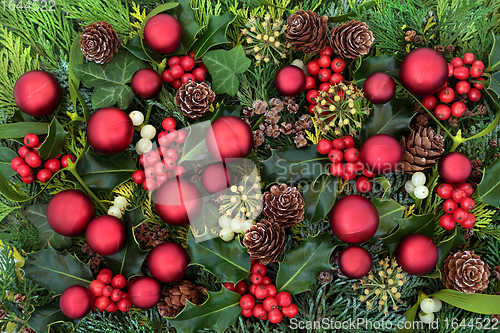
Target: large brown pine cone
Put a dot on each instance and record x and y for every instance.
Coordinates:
(465, 272)
(352, 39)
(265, 241)
(175, 296)
(284, 205)
(306, 31)
(99, 42)
(194, 99)
(421, 150)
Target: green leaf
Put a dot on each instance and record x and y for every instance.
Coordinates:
(494, 83)
(387, 63)
(208, 217)
(388, 211)
(416, 224)
(6, 156)
(445, 247)
(160, 9)
(195, 148)
(37, 215)
(494, 59)
(410, 314)
(301, 267)
(106, 96)
(215, 34)
(142, 51)
(219, 312)
(53, 144)
(477, 303)
(270, 4)
(319, 198)
(343, 18)
(228, 261)
(19, 130)
(489, 188)
(75, 58)
(8, 191)
(6, 210)
(190, 28)
(44, 316)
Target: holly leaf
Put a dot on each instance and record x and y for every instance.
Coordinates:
(223, 66)
(190, 28)
(445, 247)
(6, 156)
(37, 215)
(142, 51)
(44, 316)
(494, 58)
(319, 198)
(416, 224)
(489, 188)
(386, 63)
(19, 130)
(301, 267)
(494, 83)
(388, 212)
(53, 144)
(219, 312)
(208, 217)
(215, 34)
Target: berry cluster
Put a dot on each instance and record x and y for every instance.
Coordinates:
(183, 69)
(107, 292)
(457, 206)
(417, 186)
(429, 306)
(29, 164)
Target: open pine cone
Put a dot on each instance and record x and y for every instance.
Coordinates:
(265, 241)
(284, 205)
(99, 42)
(194, 99)
(175, 297)
(352, 39)
(465, 272)
(306, 31)
(421, 150)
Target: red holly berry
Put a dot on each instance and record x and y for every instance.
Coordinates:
(479, 85)
(460, 215)
(252, 289)
(446, 95)
(116, 295)
(176, 71)
(167, 77)
(327, 51)
(187, 77)
(44, 175)
(337, 169)
(312, 95)
(247, 313)
(429, 102)
(271, 290)
(324, 75)
(118, 281)
(349, 141)
(256, 279)
(461, 73)
(324, 146)
(458, 108)
(474, 94)
(368, 173)
(447, 222)
(445, 191)
(260, 291)
(138, 176)
(29, 179)
(104, 277)
(290, 311)
(247, 302)
(325, 86)
(467, 188)
(179, 171)
(102, 302)
(31, 140)
(275, 316)
(476, 71)
(458, 195)
(468, 58)
(124, 305)
(270, 303)
(96, 287)
(336, 78)
(284, 299)
(462, 87)
(467, 203)
(259, 312)
(230, 286)
(24, 170)
(442, 112)
(478, 63)
(149, 184)
(174, 61)
(53, 165)
(176, 84)
(258, 268)
(187, 63)
(16, 162)
(23, 151)
(338, 65)
(313, 67)
(33, 159)
(351, 155)
(449, 206)
(456, 62)
(266, 280)
(335, 155)
(324, 61)
(363, 185)
(469, 223)
(450, 70)
(241, 287)
(66, 159)
(310, 83)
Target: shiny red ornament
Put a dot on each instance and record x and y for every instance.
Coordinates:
(76, 302)
(354, 219)
(37, 93)
(69, 212)
(106, 235)
(146, 83)
(355, 262)
(216, 177)
(290, 80)
(144, 292)
(417, 254)
(110, 130)
(454, 168)
(423, 71)
(379, 88)
(381, 154)
(163, 33)
(229, 139)
(168, 262)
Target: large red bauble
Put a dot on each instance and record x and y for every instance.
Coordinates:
(229, 139)
(163, 33)
(454, 168)
(168, 262)
(355, 262)
(106, 235)
(417, 254)
(37, 93)
(110, 130)
(144, 292)
(379, 88)
(381, 154)
(69, 212)
(423, 71)
(216, 177)
(75, 302)
(290, 80)
(354, 219)
(146, 83)
(178, 201)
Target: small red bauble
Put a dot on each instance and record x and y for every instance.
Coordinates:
(144, 292)
(290, 80)
(110, 130)
(146, 83)
(379, 88)
(75, 302)
(354, 219)
(229, 138)
(355, 262)
(37, 93)
(163, 33)
(417, 254)
(381, 154)
(168, 262)
(216, 177)
(106, 235)
(454, 168)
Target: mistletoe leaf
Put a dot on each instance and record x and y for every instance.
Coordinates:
(53, 144)
(319, 198)
(214, 35)
(37, 215)
(445, 247)
(416, 224)
(386, 63)
(19, 130)
(388, 212)
(489, 188)
(44, 316)
(477, 303)
(6, 156)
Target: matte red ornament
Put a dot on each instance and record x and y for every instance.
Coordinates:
(381, 154)
(216, 177)
(229, 139)
(106, 235)
(110, 130)
(178, 201)
(290, 80)
(163, 33)
(354, 219)
(168, 262)
(355, 262)
(454, 168)
(69, 212)
(146, 83)
(37, 93)
(423, 71)
(379, 88)
(75, 302)
(144, 292)
(417, 254)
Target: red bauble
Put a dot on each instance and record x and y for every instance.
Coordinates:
(423, 71)
(168, 262)
(178, 201)
(379, 88)
(106, 235)
(110, 130)
(290, 80)
(163, 33)
(37, 93)
(229, 138)
(355, 262)
(144, 292)
(417, 254)
(354, 219)
(381, 154)
(454, 168)
(216, 177)
(76, 302)
(146, 83)
(69, 212)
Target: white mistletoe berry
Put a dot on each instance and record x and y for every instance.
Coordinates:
(148, 132)
(226, 234)
(144, 145)
(418, 178)
(426, 318)
(409, 187)
(421, 192)
(115, 211)
(121, 202)
(236, 225)
(224, 221)
(137, 117)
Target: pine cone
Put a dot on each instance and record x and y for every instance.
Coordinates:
(495, 273)
(265, 241)
(421, 149)
(284, 205)
(258, 138)
(194, 99)
(286, 128)
(352, 39)
(248, 112)
(465, 272)
(95, 263)
(3, 314)
(291, 106)
(99, 42)
(259, 106)
(300, 139)
(307, 31)
(304, 123)
(276, 104)
(175, 297)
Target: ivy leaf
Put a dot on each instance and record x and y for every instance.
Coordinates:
(208, 217)
(489, 188)
(416, 224)
(215, 34)
(477, 303)
(190, 28)
(319, 198)
(223, 66)
(445, 247)
(106, 96)
(53, 144)
(43, 316)
(6, 156)
(387, 63)
(300, 269)
(195, 148)
(19, 130)
(494, 59)
(388, 212)
(37, 215)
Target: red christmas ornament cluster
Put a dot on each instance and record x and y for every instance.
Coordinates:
(454, 168)
(110, 130)
(355, 262)
(379, 88)
(106, 235)
(168, 262)
(457, 206)
(183, 69)
(417, 254)
(146, 83)
(229, 139)
(163, 33)
(37, 93)
(108, 292)
(381, 154)
(144, 292)
(76, 302)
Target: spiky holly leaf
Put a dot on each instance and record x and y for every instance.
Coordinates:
(489, 189)
(444, 248)
(53, 144)
(416, 224)
(44, 316)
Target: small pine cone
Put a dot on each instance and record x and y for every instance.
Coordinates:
(465, 272)
(175, 297)
(158, 236)
(439, 48)
(276, 104)
(199, 169)
(286, 128)
(258, 138)
(265, 241)
(476, 164)
(95, 263)
(291, 106)
(418, 39)
(409, 35)
(482, 109)
(421, 120)
(18, 298)
(307, 31)
(450, 49)
(476, 176)
(453, 122)
(300, 139)
(304, 123)
(272, 117)
(99, 42)
(3, 314)
(421, 149)
(248, 112)
(325, 277)
(495, 273)
(284, 205)
(194, 99)
(272, 131)
(351, 40)
(468, 233)
(494, 143)
(28, 330)
(86, 249)
(260, 106)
